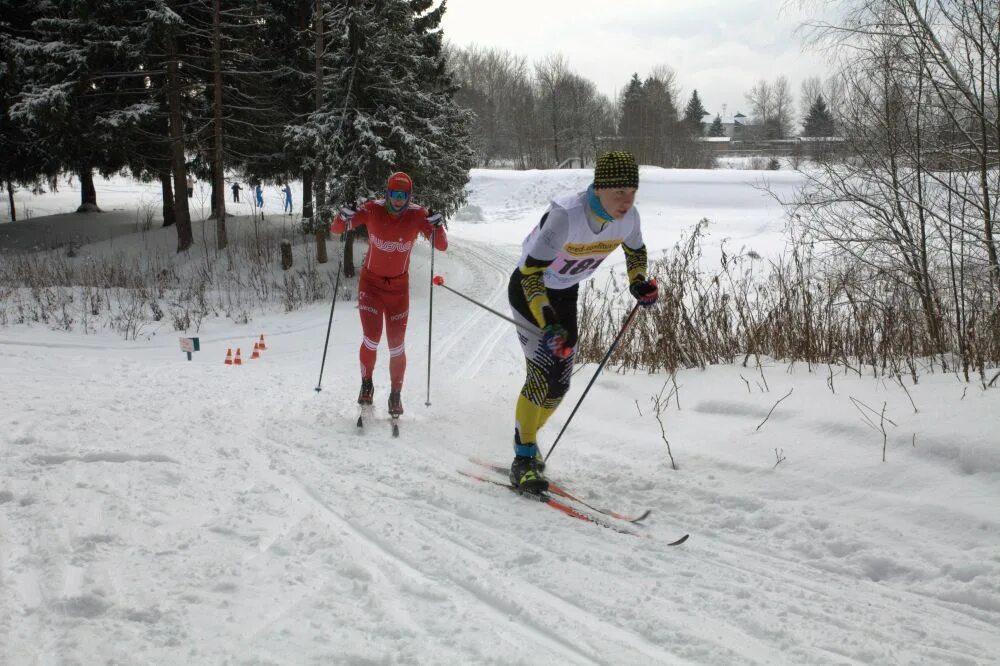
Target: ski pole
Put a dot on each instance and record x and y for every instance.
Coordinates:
(336, 291)
(430, 320)
(614, 345)
(439, 281)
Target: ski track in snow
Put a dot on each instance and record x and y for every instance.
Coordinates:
(250, 522)
(484, 278)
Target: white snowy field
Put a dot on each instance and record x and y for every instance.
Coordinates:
(155, 510)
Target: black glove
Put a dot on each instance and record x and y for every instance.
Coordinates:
(434, 218)
(645, 291)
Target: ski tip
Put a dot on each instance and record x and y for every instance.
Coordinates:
(643, 516)
(679, 541)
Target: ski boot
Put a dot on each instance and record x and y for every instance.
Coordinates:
(539, 462)
(539, 459)
(395, 404)
(526, 475)
(367, 391)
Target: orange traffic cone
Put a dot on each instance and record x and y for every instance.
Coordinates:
(261, 343)
(229, 357)
(256, 351)
(238, 360)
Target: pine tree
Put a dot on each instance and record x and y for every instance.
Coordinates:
(632, 108)
(389, 109)
(152, 154)
(716, 128)
(443, 189)
(693, 113)
(82, 92)
(269, 71)
(659, 121)
(819, 120)
(24, 161)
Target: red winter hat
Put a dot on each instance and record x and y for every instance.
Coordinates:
(400, 182)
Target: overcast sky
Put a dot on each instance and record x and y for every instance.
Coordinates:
(719, 47)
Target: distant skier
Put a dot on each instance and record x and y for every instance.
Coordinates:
(576, 233)
(287, 189)
(236, 192)
(260, 197)
(190, 186)
(393, 225)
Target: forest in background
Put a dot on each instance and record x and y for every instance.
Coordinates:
(895, 231)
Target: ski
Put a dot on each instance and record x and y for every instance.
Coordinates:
(368, 412)
(556, 489)
(547, 499)
(365, 411)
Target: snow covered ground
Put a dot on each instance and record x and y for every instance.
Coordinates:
(159, 511)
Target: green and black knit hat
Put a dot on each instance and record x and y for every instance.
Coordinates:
(616, 168)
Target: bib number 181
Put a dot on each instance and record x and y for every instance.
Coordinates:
(577, 266)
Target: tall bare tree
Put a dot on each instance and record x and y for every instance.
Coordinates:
(760, 98)
(551, 76)
(493, 83)
(771, 108)
(784, 107)
(915, 206)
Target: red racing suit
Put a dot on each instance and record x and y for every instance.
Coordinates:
(384, 286)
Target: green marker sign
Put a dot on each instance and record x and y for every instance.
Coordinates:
(189, 345)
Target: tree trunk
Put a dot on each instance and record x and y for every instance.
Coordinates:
(88, 194)
(10, 199)
(218, 173)
(307, 196)
(321, 246)
(214, 214)
(555, 128)
(349, 253)
(317, 221)
(167, 192)
(318, 225)
(185, 236)
(286, 255)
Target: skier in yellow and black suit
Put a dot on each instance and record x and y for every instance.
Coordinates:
(571, 240)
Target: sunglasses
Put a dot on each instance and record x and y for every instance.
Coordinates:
(398, 195)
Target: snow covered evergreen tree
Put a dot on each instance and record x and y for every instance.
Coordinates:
(387, 106)
(268, 70)
(24, 161)
(157, 146)
(82, 90)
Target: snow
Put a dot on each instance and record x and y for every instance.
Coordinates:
(155, 510)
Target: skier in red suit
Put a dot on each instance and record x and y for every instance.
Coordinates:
(393, 225)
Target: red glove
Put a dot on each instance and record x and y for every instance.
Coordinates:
(645, 291)
(554, 335)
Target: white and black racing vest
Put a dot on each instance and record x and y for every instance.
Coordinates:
(583, 251)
